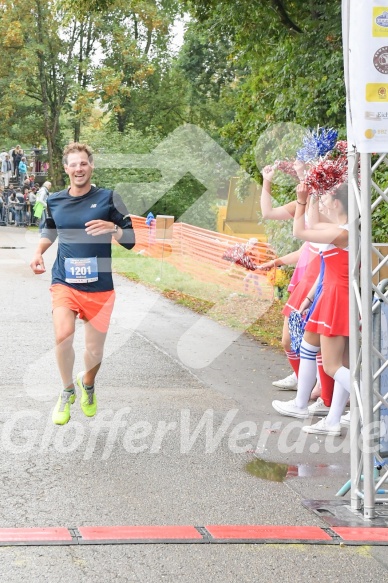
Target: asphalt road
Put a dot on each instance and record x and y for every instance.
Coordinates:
(184, 406)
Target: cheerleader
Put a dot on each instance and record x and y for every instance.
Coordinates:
(282, 213)
(305, 274)
(328, 324)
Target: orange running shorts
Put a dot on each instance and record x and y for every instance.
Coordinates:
(94, 307)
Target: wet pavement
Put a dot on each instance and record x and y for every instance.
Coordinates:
(185, 435)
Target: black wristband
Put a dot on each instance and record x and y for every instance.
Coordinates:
(302, 203)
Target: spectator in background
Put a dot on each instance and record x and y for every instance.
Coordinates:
(31, 181)
(41, 201)
(19, 208)
(11, 158)
(12, 200)
(31, 204)
(3, 154)
(38, 163)
(26, 184)
(22, 171)
(26, 198)
(6, 170)
(17, 157)
(6, 194)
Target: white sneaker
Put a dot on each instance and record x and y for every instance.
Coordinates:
(345, 420)
(318, 408)
(289, 409)
(322, 428)
(289, 383)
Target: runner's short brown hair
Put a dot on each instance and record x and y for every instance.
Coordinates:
(77, 147)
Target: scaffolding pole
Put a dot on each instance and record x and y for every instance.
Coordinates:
(367, 362)
(354, 334)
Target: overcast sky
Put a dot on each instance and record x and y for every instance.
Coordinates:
(178, 32)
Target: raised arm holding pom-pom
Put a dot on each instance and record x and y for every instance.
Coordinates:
(281, 213)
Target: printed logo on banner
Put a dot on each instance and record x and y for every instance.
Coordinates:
(376, 92)
(376, 134)
(380, 60)
(376, 115)
(380, 21)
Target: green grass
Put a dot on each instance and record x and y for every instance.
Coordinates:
(268, 328)
(164, 276)
(259, 318)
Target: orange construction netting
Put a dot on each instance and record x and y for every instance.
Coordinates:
(199, 252)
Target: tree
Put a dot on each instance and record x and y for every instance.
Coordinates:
(290, 65)
(135, 55)
(49, 62)
(43, 55)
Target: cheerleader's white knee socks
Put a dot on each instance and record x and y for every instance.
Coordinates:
(340, 395)
(338, 404)
(307, 373)
(343, 377)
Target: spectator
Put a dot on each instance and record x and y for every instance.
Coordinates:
(41, 201)
(17, 157)
(22, 170)
(19, 208)
(6, 194)
(3, 154)
(12, 200)
(38, 163)
(31, 204)
(6, 170)
(12, 160)
(27, 208)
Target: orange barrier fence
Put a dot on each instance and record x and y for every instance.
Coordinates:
(199, 252)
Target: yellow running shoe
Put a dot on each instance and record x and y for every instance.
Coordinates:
(61, 412)
(88, 397)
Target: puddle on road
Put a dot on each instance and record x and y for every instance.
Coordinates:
(277, 472)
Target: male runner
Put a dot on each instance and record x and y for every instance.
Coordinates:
(84, 218)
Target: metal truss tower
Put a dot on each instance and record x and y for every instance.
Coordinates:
(368, 358)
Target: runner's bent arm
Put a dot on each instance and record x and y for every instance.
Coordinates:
(118, 216)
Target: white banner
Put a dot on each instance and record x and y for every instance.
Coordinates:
(365, 32)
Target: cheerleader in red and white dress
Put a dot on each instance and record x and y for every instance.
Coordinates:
(310, 357)
(299, 257)
(305, 274)
(304, 285)
(328, 325)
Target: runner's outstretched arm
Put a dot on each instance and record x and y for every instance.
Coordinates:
(37, 263)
